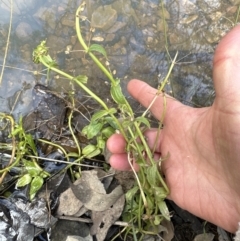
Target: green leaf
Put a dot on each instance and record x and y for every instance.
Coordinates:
(24, 180)
(36, 184)
(126, 123)
(143, 120)
(152, 173)
(102, 113)
(33, 171)
(47, 59)
(92, 129)
(44, 174)
(160, 193)
(16, 131)
(157, 220)
(31, 143)
(108, 131)
(31, 168)
(98, 48)
(82, 78)
(101, 143)
(164, 210)
(111, 122)
(117, 95)
(150, 203)
(91, 151)
(131, 193)
(28, 163)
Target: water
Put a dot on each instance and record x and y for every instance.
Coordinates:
(135, 34)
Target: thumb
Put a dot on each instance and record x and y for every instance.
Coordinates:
(226, 70)
(145, 94)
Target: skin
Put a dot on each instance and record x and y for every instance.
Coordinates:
(203, 170)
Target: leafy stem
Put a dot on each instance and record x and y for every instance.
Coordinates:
(86, 48)
(114, 83)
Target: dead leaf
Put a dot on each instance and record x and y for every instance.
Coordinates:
(165, 229)
(69, 205)
(222, 235)
(102, 221)
(91, 192)
(169, 233)
(204, 237)
(78, 238)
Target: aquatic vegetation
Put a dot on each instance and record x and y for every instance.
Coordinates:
(23, 145)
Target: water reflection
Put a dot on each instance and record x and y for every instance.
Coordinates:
(135, 34)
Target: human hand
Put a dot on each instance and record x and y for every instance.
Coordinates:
(203, 169)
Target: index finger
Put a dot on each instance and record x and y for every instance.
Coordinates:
(145, 94)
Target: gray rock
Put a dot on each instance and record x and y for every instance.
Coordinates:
(24, 31)
(104, 17)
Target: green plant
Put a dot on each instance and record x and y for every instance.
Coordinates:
(145, 201)
(22, 146)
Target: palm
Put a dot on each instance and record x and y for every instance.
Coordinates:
(202, 171)
(198, 173)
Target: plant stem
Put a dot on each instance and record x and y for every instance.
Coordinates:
(70, 127)
(5, 170)
(160, 89)
(94, 58)
(85, 88)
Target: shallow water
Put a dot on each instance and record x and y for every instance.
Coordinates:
(135, 34)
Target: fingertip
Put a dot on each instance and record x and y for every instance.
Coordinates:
(119, 162)
(116, 144)
(226, 64)
(228, 46)
(135, 87)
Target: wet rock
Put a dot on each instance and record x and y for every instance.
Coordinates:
(68, 20)
(126, 10)
(209, 5)
(26, 53)
(162, 25)
(24, 31)
(214, 4)
(107, 1)
(164, 14)
(50, 111)
(61, 43)
(110, 37)
(189, 19)
(187, 7)
(215, 16)
(104, 17)
(145, 64)
(46, 16)
(235, 2)
(116, 27)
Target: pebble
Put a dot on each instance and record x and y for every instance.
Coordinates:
(104, 17)
(24, 31)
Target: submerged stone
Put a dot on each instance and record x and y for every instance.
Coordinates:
(104, 17)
